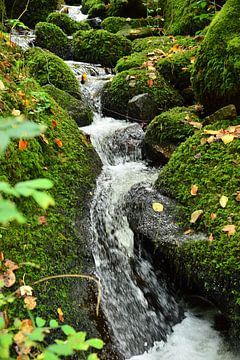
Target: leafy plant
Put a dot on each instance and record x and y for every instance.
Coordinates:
(206, 9)
(16, 23)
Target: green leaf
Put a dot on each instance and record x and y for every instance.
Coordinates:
(9, 212)
(37, 334)
(43, 184)
(2, 323)
(25, 130)
(4, 140)
(47, 355)
(61, 349)
(40, 322)
(96, 343)
(7, 189)
(53, 324)
(93, 357)
(5, 343)
(43, 199)
(68, 330)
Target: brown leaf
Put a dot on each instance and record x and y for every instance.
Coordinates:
(188, 232)
(195, 124)
(11, 265)
(213, 216)
(9, 278)
(237, 198)
(30, 302)
(60, 315)
(195, 216)
(150, 83)
(1, 256)
(22, 145)
(211, 237)
(25, 290)
(194, 190)
(230, 229)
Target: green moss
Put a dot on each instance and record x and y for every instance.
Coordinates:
(171, 127)
(177, 68)
(152, 42)
(37, 11)
(94, 8)
(115, 23)
(132, 82)
(131, 61)
(127, 8)
(216, 75)
(58, 247)
(99, 46)
(52, 38)
(137, 33)
(182, 17)
(215, 169)
(76, 108)
(49, 68)
(68, 25)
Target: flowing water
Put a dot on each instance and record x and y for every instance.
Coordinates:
(143, 314)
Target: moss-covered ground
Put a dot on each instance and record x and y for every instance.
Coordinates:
(56, 245)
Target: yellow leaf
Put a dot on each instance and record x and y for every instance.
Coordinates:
(158, 207)
(195, 124)
(227, 138)
(223, 201)
(16, 112)
(212, 132)
(2, 86)
(230, 229)
(188, 232)
(195, 215)
(194, 190)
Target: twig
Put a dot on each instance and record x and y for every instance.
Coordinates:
(26, 8)
(75, 276)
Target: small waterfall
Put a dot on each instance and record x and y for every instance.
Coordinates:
(74, 12)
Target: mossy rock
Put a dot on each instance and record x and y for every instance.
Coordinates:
(214, 168)
(48, 68)
(134, 60)
(94, 8)
(182, 17)
(76, 108)
(51, 37)
(100, 46)
(130, 83)
(68, 25)
(216, 76)
(37, 11)
(177, 68)
(60, 245)
(167, 130)
(138, 33)
(116, 23)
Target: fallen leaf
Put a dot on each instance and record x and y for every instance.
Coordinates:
(237, 198)
(22, 145)
(223, 201)
(26, 102)
(42, 220)
(193, 59)
(44, 139)
(60, 315)
(194, 190)
(58, 142)
(212, 132)
(2, 86)
(211, 139)
(158, 207)
(9, 278)
(211, 237)
(150, 83)
(25, 290)
(230, 229)
(30, 302)
(227, 138)
(1, 256)
(203, 141)
(213, 216)
(16, 112)
(195, 124)
(132, 83)
(188, 232)
(195, 215)
(11, 265)
(54, 123)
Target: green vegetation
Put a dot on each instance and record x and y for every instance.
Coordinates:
(100, 46)
(37, 11)
(216, 75)
(213, 166)
(116, 23)
(68, 25)
(94, 8)
(48, 68)
(52, 38)
(76, 108)
(172, 127)
(132, 82)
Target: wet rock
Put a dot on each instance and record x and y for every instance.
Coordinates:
(228, 112)
(95, 23)
(159, 227)
(142, 108)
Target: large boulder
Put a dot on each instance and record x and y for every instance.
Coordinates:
(48, 68)
(78, 109)
(167, 130)
(216, 76)
(100, 46)
(117, 23)
(37, 10)
(51, 37)
(142, 108)
(127, 84)
(68, 25)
